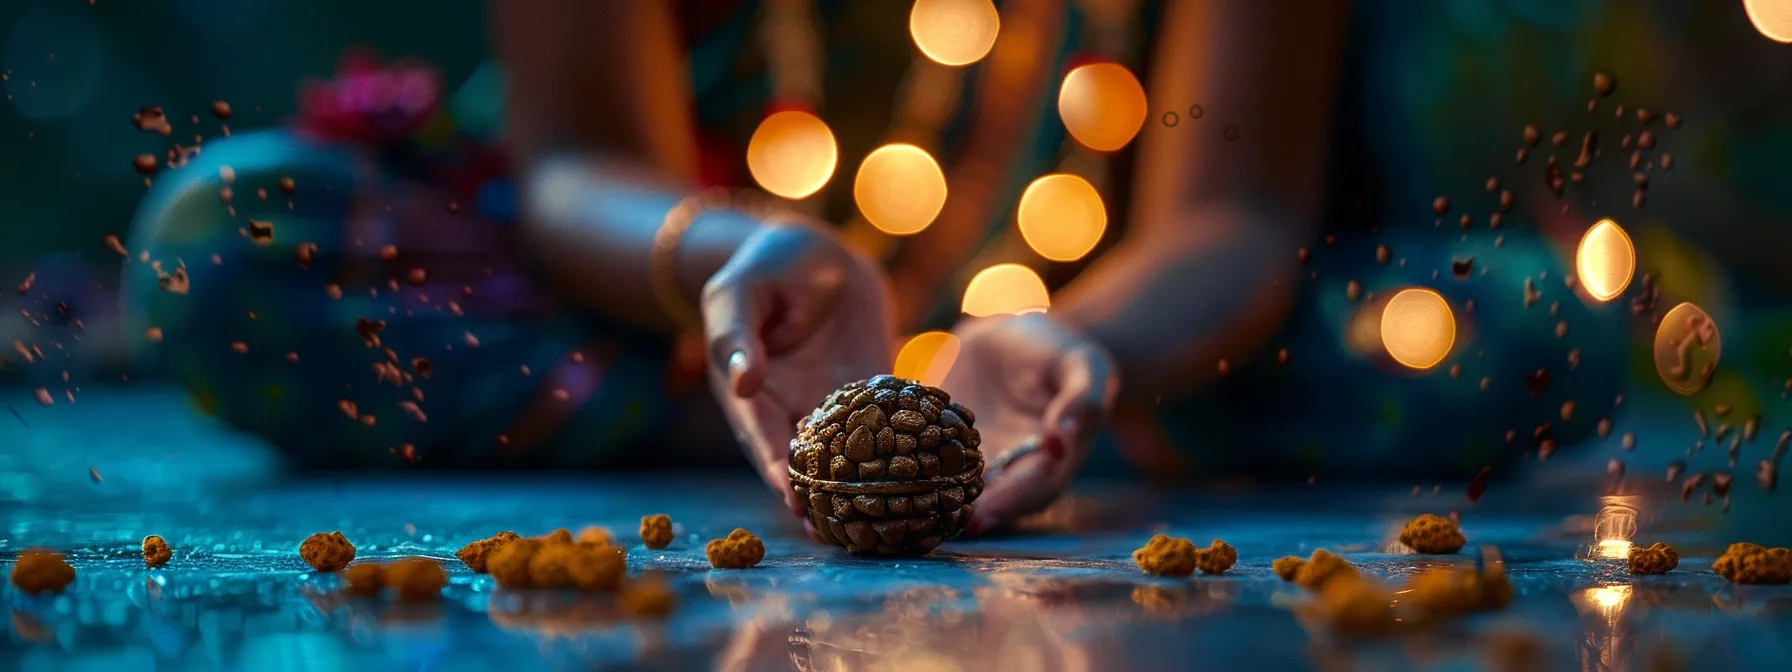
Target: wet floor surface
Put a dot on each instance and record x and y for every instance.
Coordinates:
(1063, 595)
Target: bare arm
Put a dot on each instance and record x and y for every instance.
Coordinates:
(1207, 270)
(599, 115)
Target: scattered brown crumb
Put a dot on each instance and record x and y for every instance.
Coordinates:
(327, 552)
(41, 571)
(1747, 563)
(1356, 605)
(1432, 535)
(739, 550)
(548, 567)
(1443, 592)
(1287, 567)
(1657, 558)
(595, 535)
(416, 579)
(1164, 555)
(156, 552)
(365, 579)
(1514, 651)
(559, 536)
(656, 530)
(510, 562)
(597, 567)
(1321, 568)
(647, 597)
(1218, 557)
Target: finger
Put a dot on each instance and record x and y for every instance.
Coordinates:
(1084, 398)
(734, 315)
(769, 445)
(1028, 484)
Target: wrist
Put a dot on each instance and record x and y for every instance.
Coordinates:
(708, 244)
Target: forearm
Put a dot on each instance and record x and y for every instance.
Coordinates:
(1169, 306)
(589, 226)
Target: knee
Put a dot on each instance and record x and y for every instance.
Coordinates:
(222, 236)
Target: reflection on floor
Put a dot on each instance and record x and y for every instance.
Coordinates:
(1062, 596)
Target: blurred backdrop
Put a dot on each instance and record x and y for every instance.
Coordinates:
(1435, 100)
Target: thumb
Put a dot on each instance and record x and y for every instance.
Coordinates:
(1085, 396)
(733, 316)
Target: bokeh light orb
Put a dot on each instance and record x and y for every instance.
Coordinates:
(1772, 17)
(1102, 105)
(927, 357)
(954, 32)
(1062, 217)
(792, 154)
(1417, 328)
(1606, 260)
(1687, 349)
(1006, 289)
(900, 189)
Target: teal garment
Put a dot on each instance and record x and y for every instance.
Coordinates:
(260, 339)
(1434, 99)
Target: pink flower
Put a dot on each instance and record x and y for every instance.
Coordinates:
(369, 102)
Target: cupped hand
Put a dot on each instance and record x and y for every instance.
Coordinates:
(1042, 391)
(792, 316)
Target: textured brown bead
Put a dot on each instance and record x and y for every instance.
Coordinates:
(887, 466)
(656, 530)
(40, 571)
(327, 552)
(155, 551)
(1657, 558)
(1166, 556)
(1432, 535)
(476, 554)
(739, 550)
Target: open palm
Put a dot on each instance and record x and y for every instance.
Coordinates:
(1041, 392)
(791, 317)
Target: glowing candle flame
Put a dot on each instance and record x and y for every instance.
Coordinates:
(1102, 105)
(1605, 261)
(792, 154)
(1417, 328)
(927, 357)
(1772, 17)
(1062, 217)
(954, 32)
(900, 189)
(1006, 289)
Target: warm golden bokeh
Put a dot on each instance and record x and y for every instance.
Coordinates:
(1062, 217)
(927, 357)
(792, 154)
(1605, 261)
(954, 32)
(1102, 105)
(1006, 289)
(1772, 17)
(900, 189)
(1687, 349)
(1417, 328)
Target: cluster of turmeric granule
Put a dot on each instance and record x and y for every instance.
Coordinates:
(1432, 535)
(1746, 563)
(1172, 556)
(1352, 603)
(1656, 558)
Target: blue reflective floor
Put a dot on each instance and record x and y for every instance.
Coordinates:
(1062, 596)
